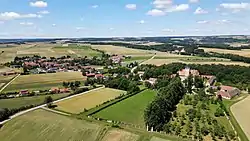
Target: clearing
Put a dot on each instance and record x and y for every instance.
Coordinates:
(243, 52)
(130, 110)
(25, 101)
(43, 81)
(120, 135)
(88, 100)
(41, 125)
(240, 111)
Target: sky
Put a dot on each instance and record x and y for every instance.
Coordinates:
(122, 18)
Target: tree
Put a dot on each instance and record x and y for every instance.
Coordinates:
(77, 83)
(65, 84)
(189, 84)
(219, 112)
(148, 85)
(48, 100)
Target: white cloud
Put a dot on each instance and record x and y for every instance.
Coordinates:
(199, 10)
(202, 22)
(194, 1)
(177, 8)
(14, 15)
(235, 6)
(167, 30)
(43, 12)
(131, 6)
(141, 21)
(53, 24)
(222, 21)
(80, 28)
(162, 4)
(95, 6)
(156, 12)
(111, 28)
(39, 4)
(27, 23)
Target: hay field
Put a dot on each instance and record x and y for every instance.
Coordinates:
(43, 81)
(122, 50)
(130, 110)
(243, 52)
(157, 139)
(25, 101)
(240, 111)
(120, 135)
(41, 125)
(88, 100)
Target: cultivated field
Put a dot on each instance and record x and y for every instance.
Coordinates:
(88, 100)
(243, 52)
(41, 125)
(25, 101)
(240, 111)
(157, 139)
(130, 110)
(122, 50)
(43, 81)
(120, 135)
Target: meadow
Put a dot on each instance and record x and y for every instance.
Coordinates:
(130, 110)
(89, 100)
(41, 125)
(243, 52)
(43, 81)
(120, 135)
(25, 101)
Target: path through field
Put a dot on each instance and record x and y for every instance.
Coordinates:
(240, 111)
(132, 70)
(9, 83)
(35, 108)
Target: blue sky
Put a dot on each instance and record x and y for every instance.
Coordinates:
(119, 18)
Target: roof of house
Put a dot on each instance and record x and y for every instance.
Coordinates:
(98, 75)
(228, 91)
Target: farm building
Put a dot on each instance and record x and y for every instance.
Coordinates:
(228, 92)
(152, 81)
(210, 79)
(184, 73)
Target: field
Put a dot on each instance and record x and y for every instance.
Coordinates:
(88, 100)
(45, 49)
(41, 125)
(122, 50)
(130, 110)
(243, 52)
(43, 81)
(241, 113)
(120, 135)
(25, 101)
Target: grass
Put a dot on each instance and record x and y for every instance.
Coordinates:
(43, 81)
(88, 100)
(130, 110)
(228, 104)
(42, 125)
(119, 135)
(25, 101)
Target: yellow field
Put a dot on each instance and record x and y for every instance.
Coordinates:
(240, 111)
(120, 135)
(243, 52)
(41, 81)
(122, 50)
(88, 100)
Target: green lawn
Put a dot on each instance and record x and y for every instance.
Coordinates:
(25, 101)
(130, 110)
(41, 125)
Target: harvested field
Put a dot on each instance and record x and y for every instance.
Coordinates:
(243, 52)
(41, 125)
(43, 81)
(157, 139)
(88, 100)
(241, 113)
(25, 101)
(130, 110)
(120, 135)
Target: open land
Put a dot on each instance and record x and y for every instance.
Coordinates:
(120, 135)
(88, 100)
(25, 101)
(240, 111)
(41, 125)
(43, 81)
(130, 110)
(243, 52)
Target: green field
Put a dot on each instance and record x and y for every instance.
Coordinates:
(43, 81)
(129, 110)
(41, 125)
(88, 100)
(25, 101)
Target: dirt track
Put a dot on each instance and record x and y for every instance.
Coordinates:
(241, 112)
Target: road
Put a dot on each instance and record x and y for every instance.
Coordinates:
(35, 108)
(9, 83)
(132, 70)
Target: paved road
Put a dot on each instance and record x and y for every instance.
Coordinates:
(9, 83)
(132, 70)
(35, 108)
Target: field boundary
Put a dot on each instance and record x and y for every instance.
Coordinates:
(9, 83)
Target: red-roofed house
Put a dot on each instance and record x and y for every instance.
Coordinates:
(228, 92)
(184, 73)
(99, 76)
(24, 92)
(90, 74)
